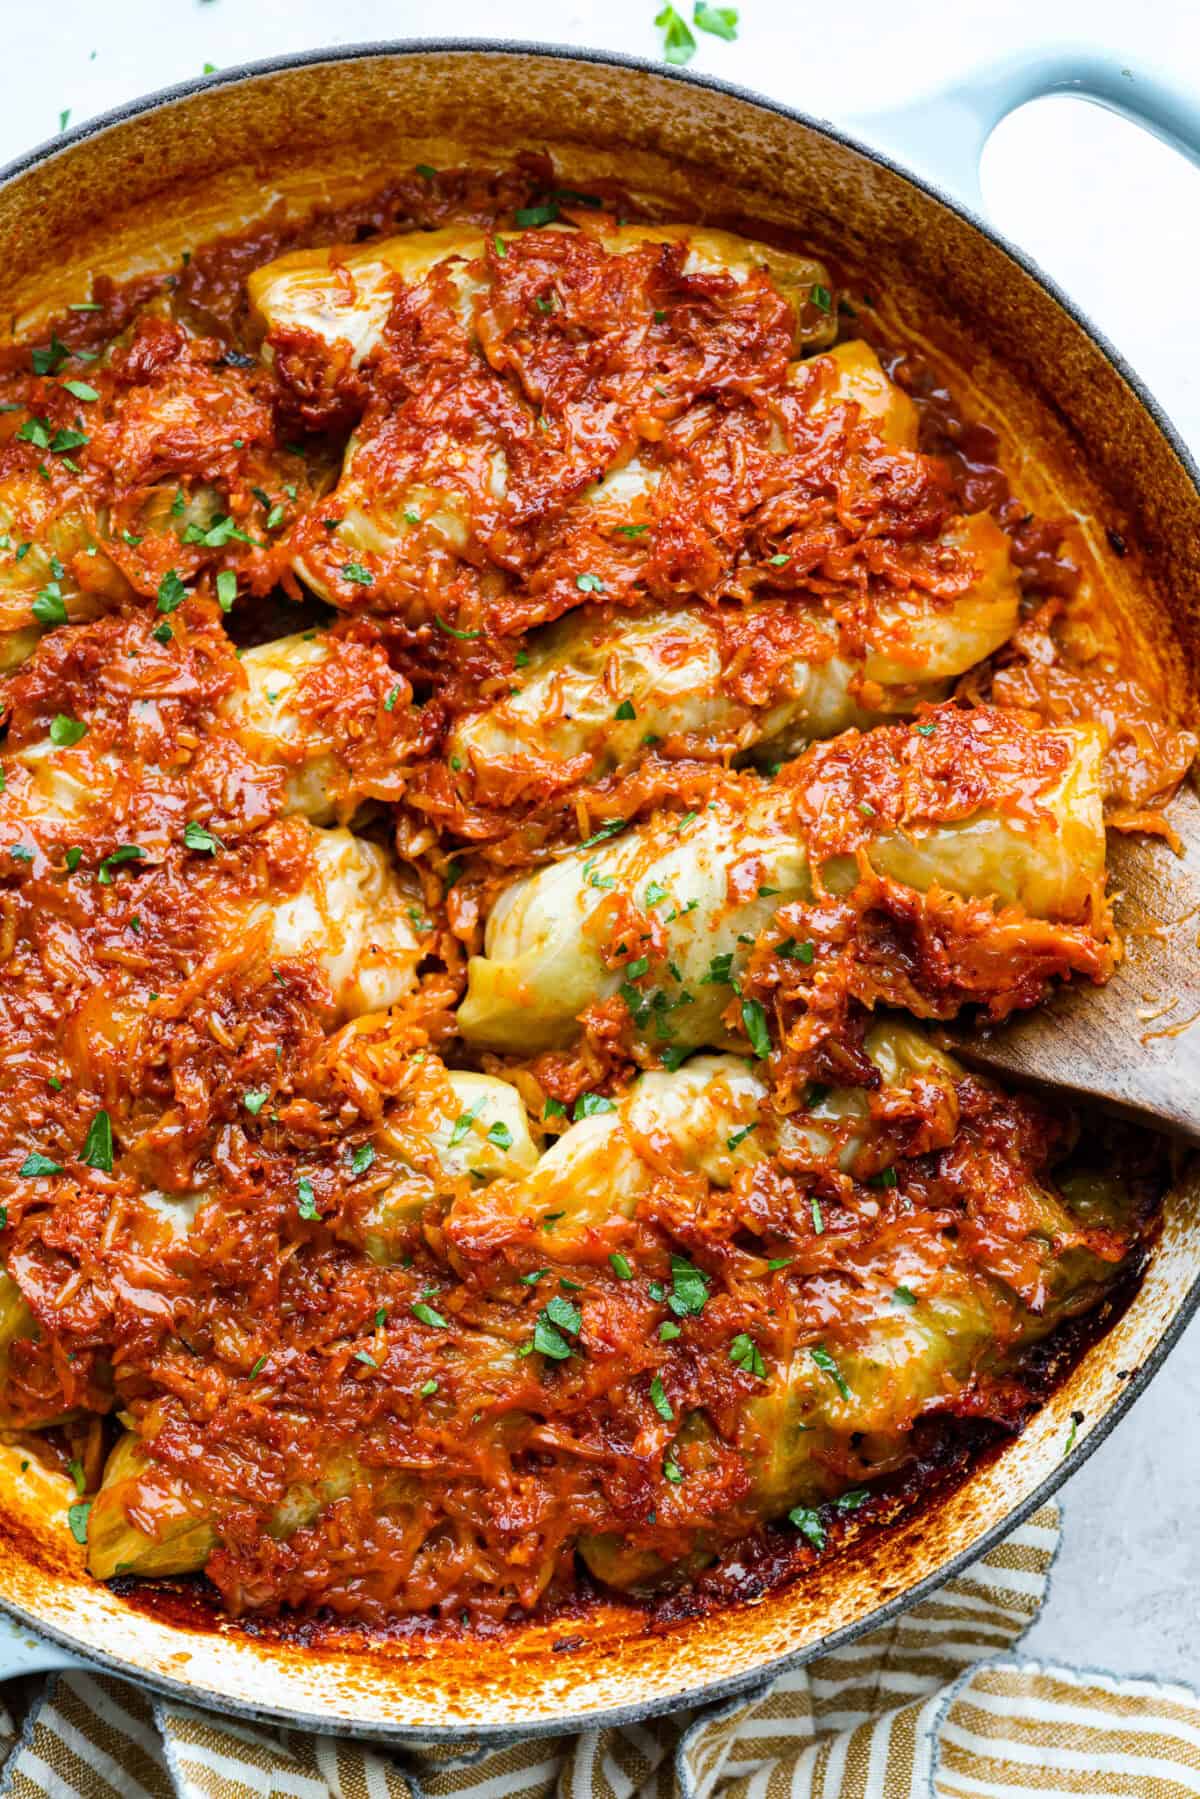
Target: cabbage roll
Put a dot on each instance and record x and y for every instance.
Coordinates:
(53, 565)
(344, 295)
(667, 895)
(598, 687)
(477, 1128)
(714, 1117)
(354, 915)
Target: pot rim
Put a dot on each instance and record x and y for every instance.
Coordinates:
(746, 1685)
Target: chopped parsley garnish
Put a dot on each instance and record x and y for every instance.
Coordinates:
(818, 1216)
(307, 1202)
(778, 1262)
(850, 1502)
(162, 633)
(821, 297)
(48, 608)
(530, 217)
(553, 1320)
(660, 1402)
(631, 530)
(554, 1108)
(721, 21)
(171, 592)
(589, 583)
(425, 1314)
(885, 1178)
(827, 1365)
(427, 1389)
(77, 1515)
(668, 1330)
(464, 636)
(745, 1353)
(620, 1266)
(51, 359)
(258, 1367)
(605, 830)
(464, 1121)
(125, 852)
(719, 971)
(36, 1166)
(678, 45)
(35, 431)
(739, 1137)
(389, 705)
(362, 1158)
(500, 246)
(904, 1296)
(73, 857)
(255, 1099)
(671, 1469)
(689, 1289)
(656, 892)
(425, 172)
(500, 1135)
(64, 731)
(625, 710)
(796, 952)
(589, 1105)
(20, 852)
(778, 561)
(196, 837)
(226, 589)
(357, 575)
(364, 1355)
(532, 1279)
(926, 730)
(755, 1021)
(808, 1523)
(81, 390)
(98, 1144)
(75, 1470)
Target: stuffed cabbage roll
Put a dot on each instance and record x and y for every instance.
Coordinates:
(681, 899)
(711, 1117)
(353, 915)
(53, 565)
(599, 687)
(344, 295)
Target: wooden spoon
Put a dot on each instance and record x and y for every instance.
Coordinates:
(1133, 1044)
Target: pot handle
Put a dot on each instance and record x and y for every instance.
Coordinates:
(941, 137)
(24, 1652)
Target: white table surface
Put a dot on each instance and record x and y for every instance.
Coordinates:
(1105, 209)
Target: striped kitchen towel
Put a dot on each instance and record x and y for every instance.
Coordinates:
(935, 1704)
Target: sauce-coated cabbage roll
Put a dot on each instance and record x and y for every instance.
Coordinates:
(344, 294)
(681, 899)
(598, 688)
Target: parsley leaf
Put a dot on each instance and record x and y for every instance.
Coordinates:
(745, 1353)
(660, 1402)
(827, 1365)
(124, 852)
(171, 592)
(98, 1144)
(755, 1021)
(307, 1202)
(808, 1523)
(425, 1314)
(36, 1165)
(590, 1105)
(689, 1289)
(721, 21)
(64, 731)
(678, 45)
(196, 837)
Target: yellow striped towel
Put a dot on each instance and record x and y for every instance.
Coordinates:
(935, 1705)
